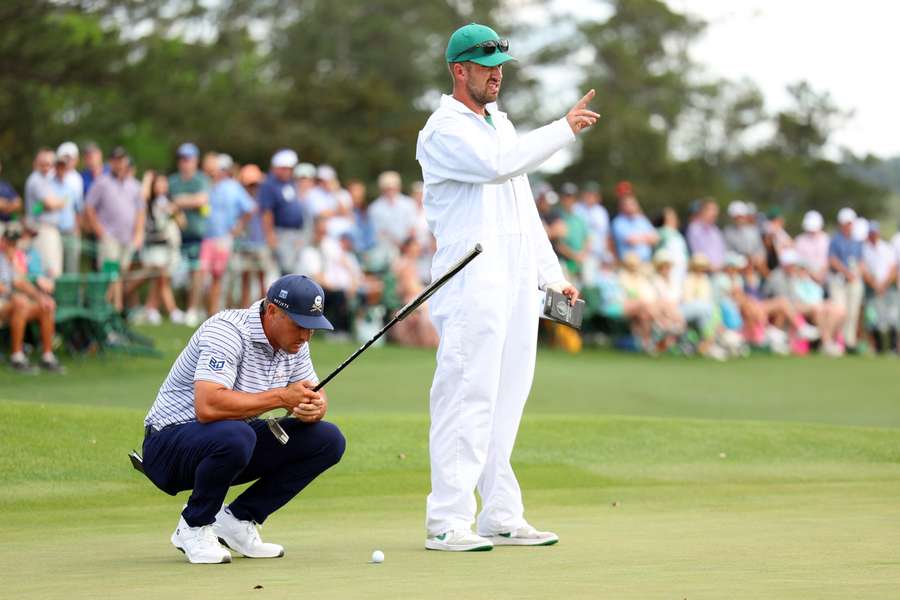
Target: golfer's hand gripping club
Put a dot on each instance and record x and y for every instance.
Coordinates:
(276, 428)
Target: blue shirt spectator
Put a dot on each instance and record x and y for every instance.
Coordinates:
(88, 177)
(363, 232)
(67, 215)
(631, 230)
(228, 202)
(625, 227)
(280, 197)
(8, 197)
(844, 248)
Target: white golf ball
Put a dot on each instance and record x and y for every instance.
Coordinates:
(378, 556)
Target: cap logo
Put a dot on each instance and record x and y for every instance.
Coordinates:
(283, 294)
(318, 306)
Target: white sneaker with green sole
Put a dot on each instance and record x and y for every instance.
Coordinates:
(523, 536)
(458, 540)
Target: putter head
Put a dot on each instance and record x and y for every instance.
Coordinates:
(136, 461)
(277, 430)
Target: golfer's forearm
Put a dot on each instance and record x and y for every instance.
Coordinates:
(220, 403)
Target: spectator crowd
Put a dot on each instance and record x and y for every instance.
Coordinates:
(723, 291)
(214, 233)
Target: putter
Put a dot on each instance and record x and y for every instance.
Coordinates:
(273, 423)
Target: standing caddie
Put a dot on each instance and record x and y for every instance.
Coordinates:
(474, 166)
(203, 434)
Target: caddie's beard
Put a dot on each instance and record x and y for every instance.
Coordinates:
(484, 95)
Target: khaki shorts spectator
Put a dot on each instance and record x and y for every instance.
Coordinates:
(161, 256)
(49, 246)
(254, 259)
(112, 250)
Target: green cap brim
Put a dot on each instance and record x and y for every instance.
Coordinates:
(489, 60)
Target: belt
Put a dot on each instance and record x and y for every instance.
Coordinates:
(148, 429)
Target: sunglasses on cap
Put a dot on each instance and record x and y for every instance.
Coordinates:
(488, 47)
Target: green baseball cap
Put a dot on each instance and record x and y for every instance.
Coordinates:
(471, 43)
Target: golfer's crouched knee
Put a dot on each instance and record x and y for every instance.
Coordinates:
(333, 442)
(234, 442)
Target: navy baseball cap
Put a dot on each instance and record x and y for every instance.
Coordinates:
(302, 299)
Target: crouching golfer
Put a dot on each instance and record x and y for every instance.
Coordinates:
(203, 434)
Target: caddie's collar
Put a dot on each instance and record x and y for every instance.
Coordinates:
(448, 101)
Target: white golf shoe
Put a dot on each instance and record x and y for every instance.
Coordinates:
(243, 537)
(199, 544)
(523, 536)
(458, 540)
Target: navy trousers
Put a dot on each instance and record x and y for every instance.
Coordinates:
(208, 458)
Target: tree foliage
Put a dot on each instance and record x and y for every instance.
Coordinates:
(351, 83)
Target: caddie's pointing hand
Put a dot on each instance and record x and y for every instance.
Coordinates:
(580, 117)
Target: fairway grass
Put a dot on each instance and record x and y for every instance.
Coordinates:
(645, 507)
(670, 479)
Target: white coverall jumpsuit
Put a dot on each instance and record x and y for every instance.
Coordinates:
(476, 190)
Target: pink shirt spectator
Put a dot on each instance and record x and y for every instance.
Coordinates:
(813, 249)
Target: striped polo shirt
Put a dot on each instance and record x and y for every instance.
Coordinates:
(230, 348)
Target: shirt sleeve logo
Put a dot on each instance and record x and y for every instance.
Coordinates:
(216, 364)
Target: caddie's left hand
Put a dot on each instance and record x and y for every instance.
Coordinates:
(580, 117)
(567, 289)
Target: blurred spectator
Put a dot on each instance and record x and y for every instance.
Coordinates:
(879, 271)
(638, 285)
(364, 237)
(574, 246)
(860, 230)
(427, 243)
(70, 215)
(115, 210)
(742, 236)
(332, 264)
(42, 209)
(416, 329)
(776, 239)
(727, 287)
(673, 243)
(189, 190)
(323, 198)
(93, 166)
(845, 286)
(699, 306)
(393, 214)
(553, 225)
(254, 256)
(68, 153)
(704, 236)
(162, 247)
(812, 246)
(282, 212)
(790, 280)
(209, 164)
(10, 201)
(22, 302)
(615, 304)
(668, 293)
(632, 231)
(230, 210)
(596, 216)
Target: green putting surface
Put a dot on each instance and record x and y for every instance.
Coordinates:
(665, 478)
